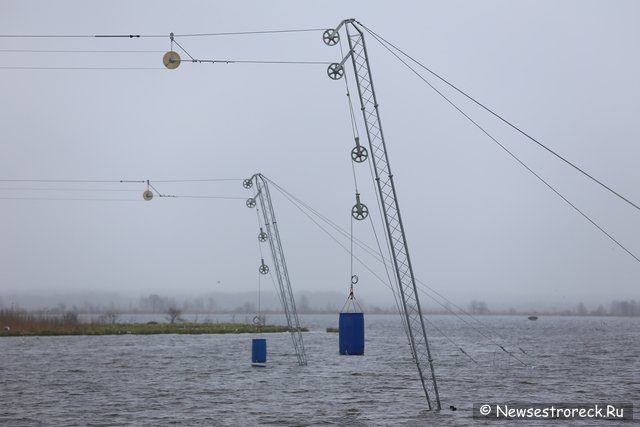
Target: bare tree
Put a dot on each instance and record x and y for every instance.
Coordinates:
(174, 314)
(478, 307)
(70, 317)
(110, 316)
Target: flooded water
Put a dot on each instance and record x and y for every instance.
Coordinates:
(207, 380)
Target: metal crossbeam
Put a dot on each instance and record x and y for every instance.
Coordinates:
(280, 267)
(393, 220)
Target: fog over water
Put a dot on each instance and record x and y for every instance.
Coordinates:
(80, 114)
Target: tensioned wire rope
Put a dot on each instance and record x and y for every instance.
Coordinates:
(370, 270)
(381, 280)
(138, 36)
(273, 282)
(386, 44)
(32, 186)
(374, 35)
(301, 206)
(76, 51)
(270, 272)
(356, 137)
(294, 200)
(131, 36)
(424, 288)
(516, 158)
(95, 181)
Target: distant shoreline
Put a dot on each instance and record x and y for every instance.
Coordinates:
(93, 329)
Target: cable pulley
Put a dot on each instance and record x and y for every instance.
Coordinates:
(359, 210)
(264, 268)
(359, 154)
(262, 236)
(148, 194)
(335, 71)
(171, 60)
(247, 183)
(331, 37)
(251, 202)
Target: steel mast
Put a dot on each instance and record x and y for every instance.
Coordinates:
(416, 330)
(280, 266)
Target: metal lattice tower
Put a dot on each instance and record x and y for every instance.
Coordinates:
(280, 266)
(386, 188)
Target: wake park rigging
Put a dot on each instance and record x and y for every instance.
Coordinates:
(356, 56)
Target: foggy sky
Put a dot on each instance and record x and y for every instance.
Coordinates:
(479, 225)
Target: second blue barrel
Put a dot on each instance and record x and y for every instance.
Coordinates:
(259, 351)
(351, 331)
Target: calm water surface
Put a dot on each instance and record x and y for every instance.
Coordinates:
(207, 380)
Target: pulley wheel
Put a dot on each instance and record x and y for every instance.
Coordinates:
(360, 211)
(331, 37)
(359, 154)
(335, 71)
(247, 183)
(263, 269)
(147, 195)
(262, 236)
(171, 60)
(354, 279)
(257, 321)
(251, 202)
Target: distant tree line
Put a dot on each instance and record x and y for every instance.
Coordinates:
(625, 308)
(629, 308)
(158, 304)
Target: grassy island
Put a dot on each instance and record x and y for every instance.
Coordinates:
(18, 323)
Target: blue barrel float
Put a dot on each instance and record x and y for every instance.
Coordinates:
(351, 331)
(259, 352)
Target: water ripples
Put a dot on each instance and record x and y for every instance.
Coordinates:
(205, 380)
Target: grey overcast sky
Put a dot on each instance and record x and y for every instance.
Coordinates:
(479, 225)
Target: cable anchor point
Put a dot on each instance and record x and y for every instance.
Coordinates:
(359, 210)
(359, 154)
(171, 59)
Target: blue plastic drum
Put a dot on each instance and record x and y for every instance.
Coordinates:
(351, 331)
(259, 352)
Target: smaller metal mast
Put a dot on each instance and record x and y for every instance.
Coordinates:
(272, 235)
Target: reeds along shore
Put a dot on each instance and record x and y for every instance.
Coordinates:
(22, 323)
